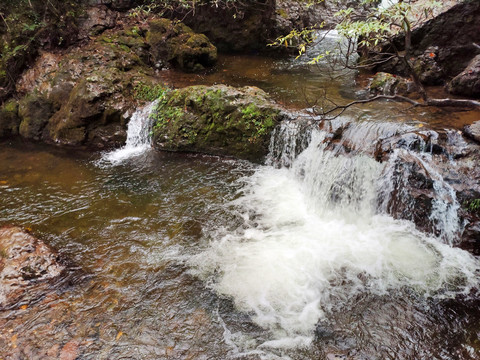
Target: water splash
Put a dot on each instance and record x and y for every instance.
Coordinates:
(312, 238)
(138, 136)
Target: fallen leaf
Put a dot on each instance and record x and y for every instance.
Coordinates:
(13, 339)
(432, 55)
(420, 125)
(119, 335)
(24, 307)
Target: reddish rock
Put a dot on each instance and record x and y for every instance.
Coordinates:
(27, 267)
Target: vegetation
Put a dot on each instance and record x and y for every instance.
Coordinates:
(27, 25)
(473, 205)
(148, 92)
(376, 38)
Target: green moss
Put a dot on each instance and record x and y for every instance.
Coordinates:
(218, 120)
(148, 92)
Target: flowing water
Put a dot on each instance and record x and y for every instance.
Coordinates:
(197, 257)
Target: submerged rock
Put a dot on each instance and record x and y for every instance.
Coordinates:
(218, 120)
(389, 84)
(28, 267)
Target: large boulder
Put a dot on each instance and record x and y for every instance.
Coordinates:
(28, 267)
(176, 43)
(232, 26)
(219, 120)
(467, 83)
(441, 47)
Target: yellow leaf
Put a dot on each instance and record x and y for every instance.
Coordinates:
(420, 125)
(119, 335)
(3, 182)
(24, 307)
(13, 339)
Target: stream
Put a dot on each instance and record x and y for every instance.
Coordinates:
(188, 256)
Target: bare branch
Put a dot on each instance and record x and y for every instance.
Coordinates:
(338, 110)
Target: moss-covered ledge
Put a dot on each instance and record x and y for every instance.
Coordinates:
(217, 120)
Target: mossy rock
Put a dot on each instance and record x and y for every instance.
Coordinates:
(35, 111)
(9, 120)
(177, 44)
(388, 84)
(218, 120)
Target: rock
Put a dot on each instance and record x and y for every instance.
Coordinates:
(95, 21)
(27, 267)
(467, 83)
(120, 5)
(389, 84)
(219, 120)
(292, 14)
(34, 110)
(429, 71)
(179, 45)
(451, 33)
(9, 119)
(243, 27)
(92, 89)
(473, 131)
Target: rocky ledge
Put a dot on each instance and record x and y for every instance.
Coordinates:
(85, 95)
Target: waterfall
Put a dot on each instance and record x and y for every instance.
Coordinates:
(138, 136)
(315, 232)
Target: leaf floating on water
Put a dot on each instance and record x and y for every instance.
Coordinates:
(119, 335)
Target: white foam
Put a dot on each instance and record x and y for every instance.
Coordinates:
(311, 241)
(138, 137)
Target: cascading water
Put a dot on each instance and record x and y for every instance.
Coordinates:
(138, 136)
(313, 236)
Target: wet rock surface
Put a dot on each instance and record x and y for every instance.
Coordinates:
(432, 178)
(389, 84)
(28, 267)
(219, 120)
(473, 131)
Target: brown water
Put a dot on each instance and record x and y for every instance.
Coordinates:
(132, 228)
(299, 85)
